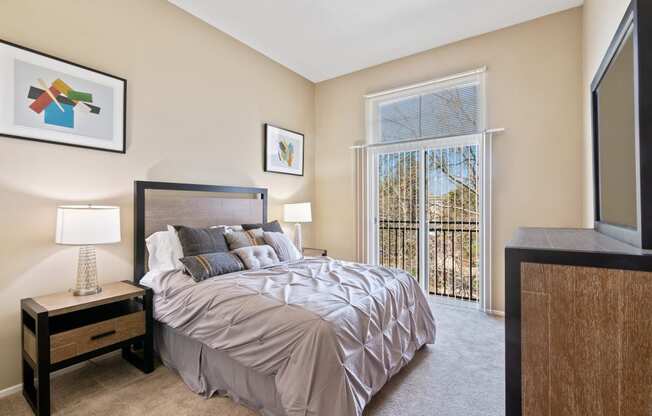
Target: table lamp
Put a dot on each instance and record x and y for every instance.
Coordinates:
(86, 226)
(297, 213)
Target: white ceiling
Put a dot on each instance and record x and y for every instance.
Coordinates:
(323, 39)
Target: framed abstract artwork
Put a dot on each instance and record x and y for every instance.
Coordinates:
(47, 99)
(283, 151)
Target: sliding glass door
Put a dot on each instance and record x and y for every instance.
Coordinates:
(453, 215)
(427, 213)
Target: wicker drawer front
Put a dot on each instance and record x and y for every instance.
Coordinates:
(78, 341)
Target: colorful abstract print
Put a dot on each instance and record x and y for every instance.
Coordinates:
(286, 152)
(59, 102)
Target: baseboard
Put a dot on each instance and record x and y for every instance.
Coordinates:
(496, 313)
(18, 387)
(11, 390)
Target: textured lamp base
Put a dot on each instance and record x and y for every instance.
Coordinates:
(86, 292)
(86, 273)
(298, 241)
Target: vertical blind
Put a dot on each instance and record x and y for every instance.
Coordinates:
(398, 210)
(453, 215)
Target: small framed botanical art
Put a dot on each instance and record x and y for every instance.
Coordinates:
(283, 151)
(50, 100)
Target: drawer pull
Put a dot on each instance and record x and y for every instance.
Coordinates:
(102, 335)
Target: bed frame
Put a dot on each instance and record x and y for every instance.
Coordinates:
(157, 204)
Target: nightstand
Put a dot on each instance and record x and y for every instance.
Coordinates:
(315, 252)
(60, 330)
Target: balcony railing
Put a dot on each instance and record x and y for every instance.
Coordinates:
(453, 254)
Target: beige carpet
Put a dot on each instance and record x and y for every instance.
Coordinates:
(461, 375)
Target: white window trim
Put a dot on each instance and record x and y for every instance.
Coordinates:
(486, 249)
(483, 138)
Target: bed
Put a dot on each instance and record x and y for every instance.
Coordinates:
(315, 336)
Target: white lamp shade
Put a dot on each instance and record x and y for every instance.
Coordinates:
(87, 224)
(297, 212)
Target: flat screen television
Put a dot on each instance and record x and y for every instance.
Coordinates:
(622, 128)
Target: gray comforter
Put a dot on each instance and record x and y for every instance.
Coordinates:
(330, 332)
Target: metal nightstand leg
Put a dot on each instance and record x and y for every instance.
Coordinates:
(146, 362)
(38, 394)
(148, 354)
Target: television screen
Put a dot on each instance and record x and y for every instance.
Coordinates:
(617, 140)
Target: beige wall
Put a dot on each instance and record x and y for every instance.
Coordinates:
(533, 90)
(600, 21)
(206, 130)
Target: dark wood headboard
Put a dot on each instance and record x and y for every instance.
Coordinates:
(157, 204)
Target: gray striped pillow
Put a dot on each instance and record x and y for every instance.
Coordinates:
(203, 266)
(284, 248)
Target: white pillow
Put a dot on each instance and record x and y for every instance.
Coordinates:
(150, 278)
(176, 246)
(164, 250)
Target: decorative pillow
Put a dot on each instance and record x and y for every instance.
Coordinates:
(195, 241)
(257, 234)
(238, 239)
(273, 226)
(255, 257)
(203, 266)
(282, 245)
(163, 253)
(228, 228)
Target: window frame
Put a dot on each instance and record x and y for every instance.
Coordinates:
(485, 136)
(375, 100)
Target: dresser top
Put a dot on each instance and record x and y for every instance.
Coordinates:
(571, 239)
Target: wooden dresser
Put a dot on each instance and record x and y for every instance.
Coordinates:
(578, 325)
